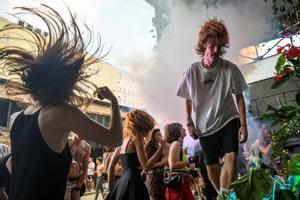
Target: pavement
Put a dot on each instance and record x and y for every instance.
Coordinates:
(91, 196)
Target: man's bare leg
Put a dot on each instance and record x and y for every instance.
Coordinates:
(213, 172)
(228, 172)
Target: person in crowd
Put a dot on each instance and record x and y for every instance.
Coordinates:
(178, 163)
(208, 87)
(52, 77)
(115, 169)
(262, 148)
(5, 170)
(4, 150)
(207, 189)
(138, 124)
(100, 177)
(154, 179)
(242, 163)
(80, 151)
(90, 178)
(192, 147)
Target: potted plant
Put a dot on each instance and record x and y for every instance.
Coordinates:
(287, 68)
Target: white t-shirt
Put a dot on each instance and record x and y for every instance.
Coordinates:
(192, 146)
(91, 168)
(211, 94)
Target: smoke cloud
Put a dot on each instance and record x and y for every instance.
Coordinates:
(248, 23)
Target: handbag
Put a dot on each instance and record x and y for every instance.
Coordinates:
(173, 181)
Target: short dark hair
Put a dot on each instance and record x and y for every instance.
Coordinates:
(57, 72)
(172, 132)
(99, 158)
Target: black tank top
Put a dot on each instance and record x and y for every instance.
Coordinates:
(38, 173)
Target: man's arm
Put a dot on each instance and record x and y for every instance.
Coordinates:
(243, 132)
(85, 163)
(188, 109)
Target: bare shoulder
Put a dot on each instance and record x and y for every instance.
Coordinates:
(61, 113)
(175, 145)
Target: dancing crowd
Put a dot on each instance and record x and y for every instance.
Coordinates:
(50, 158)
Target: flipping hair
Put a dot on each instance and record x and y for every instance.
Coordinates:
(213, 30)
(57, 72)
(138, 121)
(172, 132)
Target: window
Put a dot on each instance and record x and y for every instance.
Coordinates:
(21, 23)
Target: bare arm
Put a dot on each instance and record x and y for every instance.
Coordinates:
(142, 156)
(76, 121)
(188, 109)
(3, 195)
(161, 163)
(111, 168)
(243, 132)
(264, 150)
(81, 124)
(85, 163)
(174, 157)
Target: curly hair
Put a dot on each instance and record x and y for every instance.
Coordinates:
(172, 132)
(138, 121)
(213, 30)
(58, 71)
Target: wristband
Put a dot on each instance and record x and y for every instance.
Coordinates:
(244, 125)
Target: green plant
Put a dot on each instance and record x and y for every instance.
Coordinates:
(290, 128)
(288, 15)
(287, 69)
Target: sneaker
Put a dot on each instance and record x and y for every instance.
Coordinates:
(223, 196)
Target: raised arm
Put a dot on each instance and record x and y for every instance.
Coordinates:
(85, 163)
(76, 121)
(111, 168)
(142, 156)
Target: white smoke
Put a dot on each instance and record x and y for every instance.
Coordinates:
(247, 21)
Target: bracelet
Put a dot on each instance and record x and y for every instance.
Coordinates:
(244, 125)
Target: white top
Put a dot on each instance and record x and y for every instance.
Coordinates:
(4, 150)
(91, 168)
(192, 146)
(211, 94)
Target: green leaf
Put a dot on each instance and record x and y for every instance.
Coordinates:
(280, 62)
(271, 108)
(294, 61)
(280, 82)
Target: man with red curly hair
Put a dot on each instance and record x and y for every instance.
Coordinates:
(208, 87)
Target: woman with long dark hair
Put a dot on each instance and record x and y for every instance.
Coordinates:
(53, 77)
(154, 181)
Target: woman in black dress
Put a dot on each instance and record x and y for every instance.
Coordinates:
(52, 76)
(133, 157)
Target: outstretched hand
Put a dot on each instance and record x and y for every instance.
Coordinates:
(243, 134)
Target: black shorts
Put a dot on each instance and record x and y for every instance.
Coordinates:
(224, 141)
